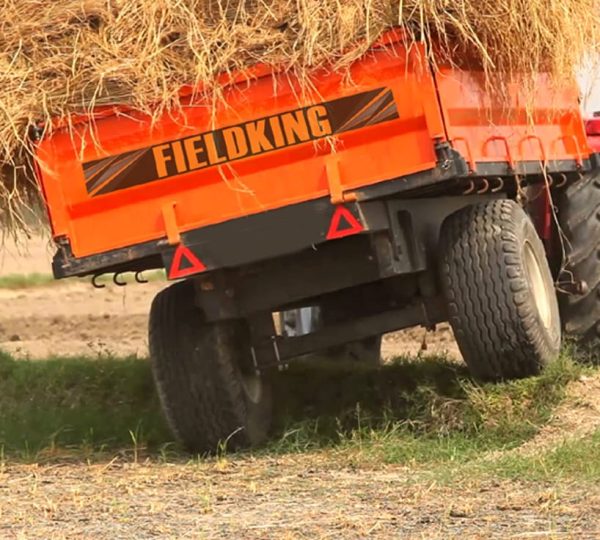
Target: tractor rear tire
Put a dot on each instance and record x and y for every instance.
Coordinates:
(501, 298)
(579, 220)
(210, 393)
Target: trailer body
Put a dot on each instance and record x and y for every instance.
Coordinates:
(124, 190)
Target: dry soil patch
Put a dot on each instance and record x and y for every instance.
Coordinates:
(290, 498)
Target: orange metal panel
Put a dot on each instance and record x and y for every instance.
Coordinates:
(383, 148)
(502, 122)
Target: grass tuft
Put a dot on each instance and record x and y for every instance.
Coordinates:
(81, 404)
(572, 460)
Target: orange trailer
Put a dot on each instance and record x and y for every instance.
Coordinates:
(396, 194)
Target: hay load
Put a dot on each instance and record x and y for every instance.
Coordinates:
(63, 56)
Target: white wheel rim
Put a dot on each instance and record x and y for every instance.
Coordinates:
(539, 285)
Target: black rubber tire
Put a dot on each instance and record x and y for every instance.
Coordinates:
(198, 369)
(492, 308)
(579, 219)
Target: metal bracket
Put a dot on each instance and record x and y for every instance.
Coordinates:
(425, 312)
(334, 180)
(171, 228)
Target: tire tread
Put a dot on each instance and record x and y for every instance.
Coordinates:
(194, 369)
(579, 219)
(493, 317)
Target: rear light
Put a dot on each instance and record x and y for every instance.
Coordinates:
(592, 127)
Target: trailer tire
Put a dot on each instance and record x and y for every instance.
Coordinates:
(501, 298)
(209, 391)
(579, 219)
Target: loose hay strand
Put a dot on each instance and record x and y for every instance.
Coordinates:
(67, 56)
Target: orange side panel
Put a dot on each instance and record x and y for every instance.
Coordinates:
(97, 221)
(122, 179)
(507, 124)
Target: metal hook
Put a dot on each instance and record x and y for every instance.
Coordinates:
(117, 282)
(95, 284)
(484, 189)
(563, 181)
(470, 189)
(139, 278)
(499, 187)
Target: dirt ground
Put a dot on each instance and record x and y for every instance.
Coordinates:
(76, 319)
(282, 498)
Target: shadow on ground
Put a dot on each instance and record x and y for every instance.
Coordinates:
(340, 398)
(96, 404)
(111, 402)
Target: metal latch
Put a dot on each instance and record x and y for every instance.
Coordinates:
(334, 180)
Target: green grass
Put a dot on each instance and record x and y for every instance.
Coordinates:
(77, 403)
(572, 460)
(413, 411)
(27, 281)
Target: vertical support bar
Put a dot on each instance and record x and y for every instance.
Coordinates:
(429, 92)
(334, 181)
(171, 228)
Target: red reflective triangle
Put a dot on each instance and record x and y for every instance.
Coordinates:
(343, 223)
(183, 254)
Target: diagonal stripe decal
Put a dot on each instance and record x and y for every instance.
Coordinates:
(96, 169)
(389, 110)
(112, 172)
(355, 118)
